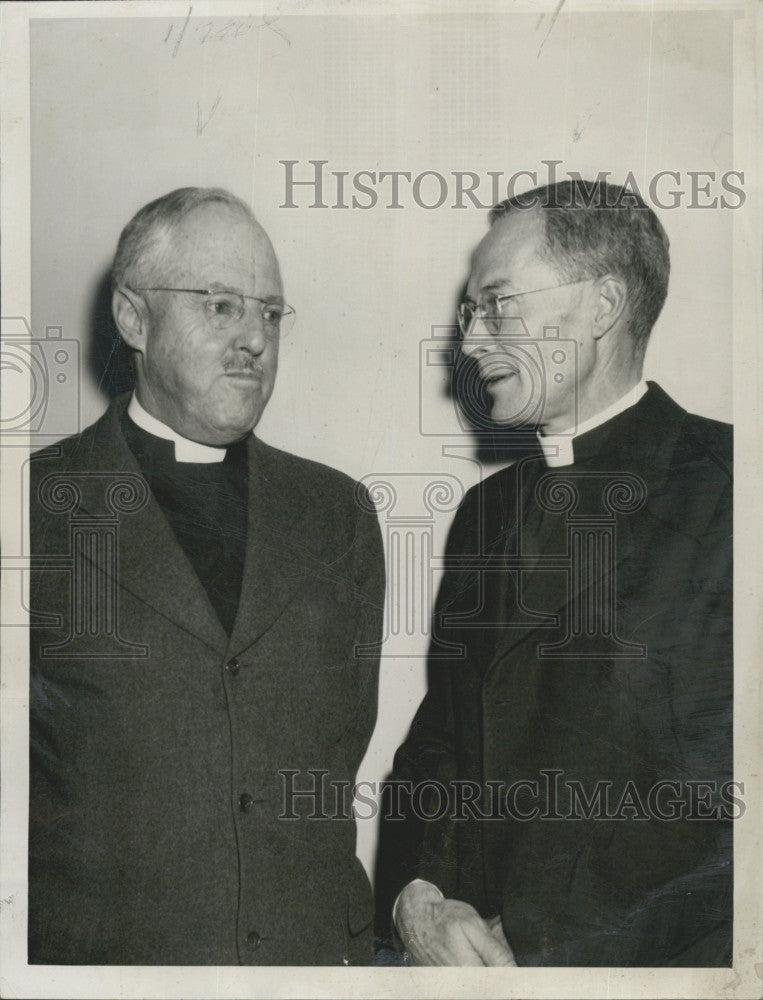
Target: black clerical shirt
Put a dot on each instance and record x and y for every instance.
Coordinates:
(206, 506)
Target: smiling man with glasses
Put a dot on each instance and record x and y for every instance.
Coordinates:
(201, 640)
(573, 755)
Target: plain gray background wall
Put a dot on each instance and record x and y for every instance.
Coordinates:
(125, 109)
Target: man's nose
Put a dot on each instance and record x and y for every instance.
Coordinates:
(477, 339)
(250, 332)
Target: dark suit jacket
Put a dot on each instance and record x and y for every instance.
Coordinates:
(578, 883)
(156, 800)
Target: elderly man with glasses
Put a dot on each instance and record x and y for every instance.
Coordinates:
(570, 767)
(200, 606)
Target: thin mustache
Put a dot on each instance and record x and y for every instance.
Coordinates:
(244, 366)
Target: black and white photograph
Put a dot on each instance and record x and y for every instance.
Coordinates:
(381, 611)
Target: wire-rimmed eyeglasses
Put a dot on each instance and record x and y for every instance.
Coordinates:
(490, 308)
(223, 308)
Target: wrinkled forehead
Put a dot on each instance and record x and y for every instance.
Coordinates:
(217, 244)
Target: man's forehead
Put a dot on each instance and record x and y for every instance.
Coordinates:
(510, 245)
(215, 223)
(218, 238)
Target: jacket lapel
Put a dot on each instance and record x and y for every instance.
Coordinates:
(151, 563)
(637, 444)
(575, 559)
(276, 561)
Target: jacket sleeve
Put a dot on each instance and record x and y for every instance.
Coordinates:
(369, 584)
(424, 766)
(671, 904)
(687, 920)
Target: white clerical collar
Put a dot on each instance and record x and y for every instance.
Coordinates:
(558, 449)
(185, 450)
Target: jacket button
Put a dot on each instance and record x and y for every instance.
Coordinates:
(233, 666)
(245, 802)
(253, 940)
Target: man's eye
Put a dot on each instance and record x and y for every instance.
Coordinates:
(272, 314)
(221, 305)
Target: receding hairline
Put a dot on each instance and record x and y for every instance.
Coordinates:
(149, 232)
(540, 251)
(239, 213)
(591, 228)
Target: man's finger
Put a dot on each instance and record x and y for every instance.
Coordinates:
(496, 929)
(438, 931)
(489, 949)
(492, 952)
(444, 943)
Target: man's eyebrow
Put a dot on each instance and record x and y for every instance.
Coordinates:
(218, 286)
(494, 288)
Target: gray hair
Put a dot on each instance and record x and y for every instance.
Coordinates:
(146, 233)
(592, 228)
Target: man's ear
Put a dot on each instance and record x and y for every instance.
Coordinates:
(613, 297)
(129, 315)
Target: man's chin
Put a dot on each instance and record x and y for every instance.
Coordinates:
(226, 432)
(227, 424)
(235, 433)
(514, 412)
